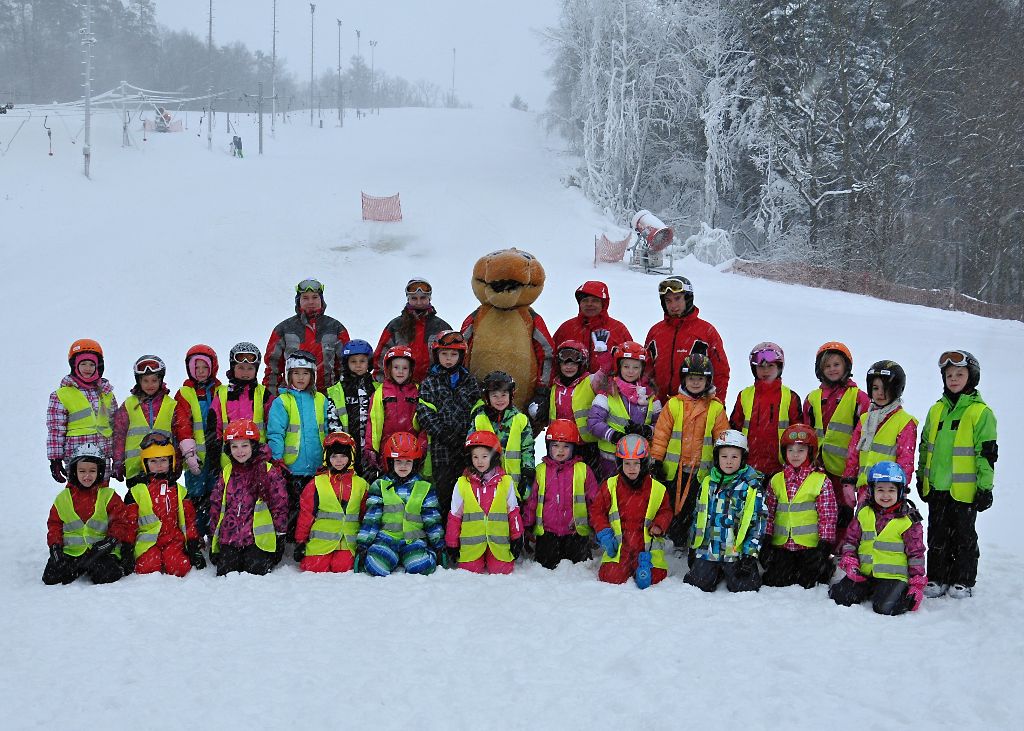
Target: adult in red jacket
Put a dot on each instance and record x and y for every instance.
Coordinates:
(672, 339)
(310, 330)
(415, 327)
(594, 327)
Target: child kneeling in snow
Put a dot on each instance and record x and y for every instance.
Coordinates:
(730, 520)
(631, 514)
(249, 505)
(883, 554)
(402, 525)
(477, 543)
(330, 509)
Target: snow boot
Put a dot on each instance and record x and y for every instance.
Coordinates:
(959, 591)
(933, 589)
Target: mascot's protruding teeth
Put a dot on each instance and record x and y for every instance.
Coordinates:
(505, 285)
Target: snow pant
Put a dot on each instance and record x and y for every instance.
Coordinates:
(169, 559)
(250, 559)
(199, 487)
(888, 596)
(805, 567)
(382, 558)
(295, 484)
(679, 528)
(488, 564)
(550, 549)
(739, 575)
(844, 512)
(447, 469)
(335, 562)
(952, 540)
(103, 570)
(621, 571)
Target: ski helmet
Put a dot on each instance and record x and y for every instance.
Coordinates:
(766, 352)
(562, 430)
(629, 349)
(486, 439)
(633, 446)
(418, 285)
(300, 359)
(498, 381)
(157, 444)
(87, 452)
(399, 351)
(833, 347)
(149, 364)
(731, 438)
(894, 378)
(448, 340)
(800, 434)
(696, 364)
(202, 353)
(888, 471)
(245, 352)
(573, 351)
(965, 360)
(676, 284)
(339, 442)
(309, 285)
(81, 347)
(401, 445)
(241, 429)
(355, 347)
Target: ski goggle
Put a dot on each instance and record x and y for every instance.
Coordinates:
(571, 356)
(149, 365)
(674, 285)
(953, 358)
(250, 358)
(450, 340)
(155, 439)
(309, 285)
(418, 286)
(765, 357)
(797, 435)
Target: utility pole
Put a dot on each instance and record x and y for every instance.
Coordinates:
(341, 121)
(373, 85)
(209, 63)
(87, 41)
(273, 75)
(312, 18)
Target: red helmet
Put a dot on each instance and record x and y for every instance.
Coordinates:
(401, 445)
(339, 439)
(574, 350)
(399, 351)
(629, 349)
(201, 350)
(241, 429)
(800, 434)
(593, 289)
(764, 353)
(484, 439)
(562, 430)
(448, 340)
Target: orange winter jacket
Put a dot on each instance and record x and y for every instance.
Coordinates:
(695, 413)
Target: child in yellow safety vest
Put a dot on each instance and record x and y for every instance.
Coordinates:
(242, 397)
(801, 515)
(392, 406)
(956, 474)
(883, 552)
(571, 396)
(485, 529)
(330, 510)
(148, 409)
(195, 398)
(496, 413)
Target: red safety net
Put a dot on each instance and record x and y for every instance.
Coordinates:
(608, 251)
(382, 208)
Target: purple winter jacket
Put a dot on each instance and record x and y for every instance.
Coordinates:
(558, 497)
(249, 482)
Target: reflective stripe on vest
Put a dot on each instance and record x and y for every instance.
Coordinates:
(884, 445)
(511, 453)
(293, 432)
(618, 420)
(258, 417)
(149, 523)
(335, 526)
(797, 519)
(79, 533)
(139, 427)
(83, 420)
(834, 438)
(964, 470)
(480, 531)
(747, 404)
(262, 521)
(198, 427)
(376, 419)
(701, 520)
(402, 520)
(882, 555)
(657, 545)
(579, 498)
(673, 452)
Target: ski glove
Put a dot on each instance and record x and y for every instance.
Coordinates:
(599, 338)
(57, 555)
(57, 470)
(188, 453)
(983, 500)
(606, 538)
(915, 591)
(358, 563)
(851, 568)
(453, 556)
(642, 575)
(517, 547)
(195, 554)
(300, 552)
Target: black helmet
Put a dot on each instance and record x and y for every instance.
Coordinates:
(696, 364)
(963, 359)
(892, 375)
(498, 381)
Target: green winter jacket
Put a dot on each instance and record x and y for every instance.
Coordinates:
(935, 460)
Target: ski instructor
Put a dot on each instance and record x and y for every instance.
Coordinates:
(311, 330)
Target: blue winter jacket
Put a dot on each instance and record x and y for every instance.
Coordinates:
(311, 451)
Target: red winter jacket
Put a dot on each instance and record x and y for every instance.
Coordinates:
(670, 340)
(632, 512)
(582, 328)
(427, 325)
(164, 495)
(763, 436)
(182, 425)
(121, 524)
(400, 403)
(342, 484)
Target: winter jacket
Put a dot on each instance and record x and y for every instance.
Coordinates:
(831, 395)
(249, 482)
(309, 502)
(322, 336)
(558, 497)
(351, 399)
(727, 501)
(400, 402)
(695, 416)
(424, 324)
(670, 340)
(599, 425)
(311, 444)
(58, 444)
(906, 444)
(763, 433)
(583, 328)
(825, 504)
(484, 487)
(913, 537)
(370, 530)
(164, 495)
(939, 472)
(240, 406)
(121, 524)
(540, 340)
(149, 406)
(501, 423)
(183, 427)
(632, 504)
(447, 398)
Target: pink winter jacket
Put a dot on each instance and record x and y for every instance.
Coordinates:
(906, 446)
(399, 411)
(484, 489)
(558, 497)
(913, 537)
(831, 395)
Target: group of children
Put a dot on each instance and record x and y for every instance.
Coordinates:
(374, 476)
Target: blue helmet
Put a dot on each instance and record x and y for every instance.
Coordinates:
(888, 472)
(357, 347)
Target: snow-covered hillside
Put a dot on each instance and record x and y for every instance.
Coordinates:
(170, 245)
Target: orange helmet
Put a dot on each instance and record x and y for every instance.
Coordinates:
(629, 349)
(800, 434)
(241, 429)
(401, 445)
(833, 346)
(484, 439)
(562, 430)
(632, 446)
(85, 345)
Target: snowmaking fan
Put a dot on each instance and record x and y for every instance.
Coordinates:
(648, 253)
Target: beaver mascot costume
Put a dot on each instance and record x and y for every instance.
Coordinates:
(504, 333)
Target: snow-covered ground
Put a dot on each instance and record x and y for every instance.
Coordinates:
(170, 245)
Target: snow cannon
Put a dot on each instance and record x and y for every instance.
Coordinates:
(653, 238)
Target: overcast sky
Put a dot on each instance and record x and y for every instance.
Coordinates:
(498, 54)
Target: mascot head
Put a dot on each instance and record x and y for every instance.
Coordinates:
(508, 279)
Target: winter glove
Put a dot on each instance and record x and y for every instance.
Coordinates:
(279, 547)
(517, 547)
(851, 568)
(642, 575)
(117, 471)
(453, 556)
(607, 540)
(983, 500)
(57, 555)
(915, 591)
(188, 453)
(359, 562)
(57, 470)
(299, 553)
(195, 554)
(599, 341)
(632, 428)
(658, 471)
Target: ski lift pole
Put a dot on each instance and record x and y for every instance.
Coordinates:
(49, 133)
(124, 115)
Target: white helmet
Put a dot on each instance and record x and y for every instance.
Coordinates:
(300, 359)
(731, 438)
